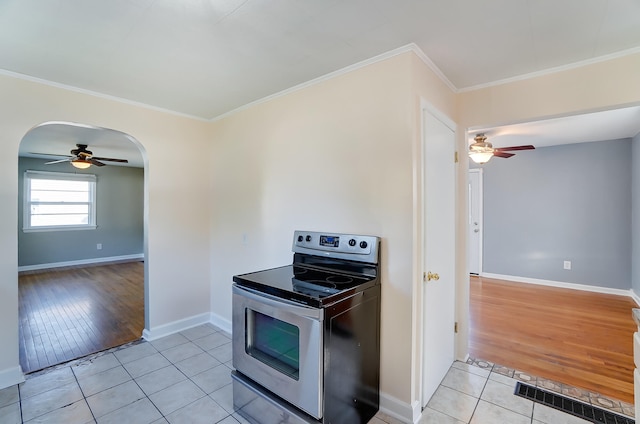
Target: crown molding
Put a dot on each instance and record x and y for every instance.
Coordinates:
(427, 61)
(412, 47)
(97, 94)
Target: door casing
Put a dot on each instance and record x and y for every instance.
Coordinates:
(474, 251)
(438, 244)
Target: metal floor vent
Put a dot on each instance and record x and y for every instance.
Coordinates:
(570, 406)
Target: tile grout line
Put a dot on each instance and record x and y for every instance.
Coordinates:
(84, 397)
(481, 392)
(20, 403)
(138, 385)
(172, 364)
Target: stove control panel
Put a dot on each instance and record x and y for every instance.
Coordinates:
(345, 246)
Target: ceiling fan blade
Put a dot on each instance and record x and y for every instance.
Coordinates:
(503, 154)
(49, 154)
(59, 161)
(111, 159)
(96, 162)
(526, 147)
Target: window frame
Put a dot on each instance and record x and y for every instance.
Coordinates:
(30, 175)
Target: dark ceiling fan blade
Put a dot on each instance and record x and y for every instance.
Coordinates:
(111, 159)
(96, 162)
(504, 149)
(59, 161)
(503, 154)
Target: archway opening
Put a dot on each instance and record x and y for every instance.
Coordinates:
(81, 242)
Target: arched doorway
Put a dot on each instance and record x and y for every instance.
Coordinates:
(81, 242)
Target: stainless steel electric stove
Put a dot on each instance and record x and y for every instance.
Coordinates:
(306, 336)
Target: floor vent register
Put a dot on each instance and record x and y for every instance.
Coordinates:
(570, 406)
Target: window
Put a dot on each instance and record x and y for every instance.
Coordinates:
(59, 201)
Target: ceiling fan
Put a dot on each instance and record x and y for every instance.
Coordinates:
(82, 158)
(481, 151)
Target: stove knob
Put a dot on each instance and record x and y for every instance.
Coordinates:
(308, 238)
(300, 238)
(352, 242)
(363, 244)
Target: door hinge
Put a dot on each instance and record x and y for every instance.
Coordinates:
(455, 327)
(455, 157)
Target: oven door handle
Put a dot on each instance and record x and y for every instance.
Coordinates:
(277, 302)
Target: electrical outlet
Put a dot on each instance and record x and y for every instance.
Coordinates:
(99, 246)
(567, 264)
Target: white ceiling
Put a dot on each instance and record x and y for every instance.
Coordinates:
(205, 58)
(597, 126)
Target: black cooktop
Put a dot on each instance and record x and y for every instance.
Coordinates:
(307, 285)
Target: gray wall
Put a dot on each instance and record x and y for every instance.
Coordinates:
(635, 250)
(119, 216)
(552, 204)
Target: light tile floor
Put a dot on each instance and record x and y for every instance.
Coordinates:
(185, 378)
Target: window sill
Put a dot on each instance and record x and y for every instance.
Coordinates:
(60, 228)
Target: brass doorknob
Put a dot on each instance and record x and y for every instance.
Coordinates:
(432, 276)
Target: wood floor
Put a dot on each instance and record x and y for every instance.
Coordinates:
(68, 313)
(579, 338)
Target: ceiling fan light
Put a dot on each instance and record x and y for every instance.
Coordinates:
(481, 151)
(480, 157)
(80, 164)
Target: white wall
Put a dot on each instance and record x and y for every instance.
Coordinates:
(332, 157)
(177, 252)
(336, 156)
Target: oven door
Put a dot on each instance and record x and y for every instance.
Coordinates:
(278, 344)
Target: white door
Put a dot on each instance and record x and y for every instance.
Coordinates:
(439, 250)
(475, 222)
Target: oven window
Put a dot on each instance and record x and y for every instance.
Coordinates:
(273, 342)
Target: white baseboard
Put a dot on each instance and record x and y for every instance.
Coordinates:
(174, 327)
(399, 410)
(417, 412)
(11, 377)
(138, 256)
(574, 286)
(220, 322)
(635, 297)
